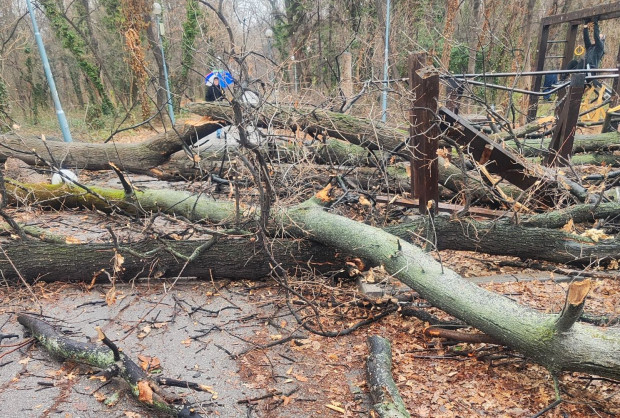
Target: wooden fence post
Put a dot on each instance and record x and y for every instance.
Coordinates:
(424, 133)
(561, 145)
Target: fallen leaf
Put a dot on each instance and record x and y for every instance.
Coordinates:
(276, 337)
(80, 406)
(144, 331)
(118, 263)
(595, 234)
(145, 393)
(206, 388)
(110, 296)
(100, 397)
(149, 363)
(300, 378)
(569, 227)
(187, 342)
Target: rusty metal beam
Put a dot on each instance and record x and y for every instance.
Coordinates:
(561, 146)
(497, 160)
(424, 132)
(444, 207)
(603, 12)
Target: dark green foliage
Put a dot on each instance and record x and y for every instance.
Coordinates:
(74, 42)
(39, 92)
(113, 18)
(459, 57)
(190, 31)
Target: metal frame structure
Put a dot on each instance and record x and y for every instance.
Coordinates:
(574, 19)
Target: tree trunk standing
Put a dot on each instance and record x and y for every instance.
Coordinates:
(529, 30)
(448, 32)
(474, 34)
(346, 81)
(153, 40)
(94, 47)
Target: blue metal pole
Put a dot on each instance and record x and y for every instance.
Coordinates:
(385, 64)
(60, 114)
(163, 58)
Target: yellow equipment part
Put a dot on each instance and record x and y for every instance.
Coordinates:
(579, 50)
(591, 108)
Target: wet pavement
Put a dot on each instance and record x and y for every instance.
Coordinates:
(192, 330)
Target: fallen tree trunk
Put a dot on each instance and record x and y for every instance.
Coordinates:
(609, 141)
(313, 121)
(505, 238)
(138, 157)
(368, 133)
(240, 258)
(549, 339)
(494, 237)
(386, 399)
(114, 364)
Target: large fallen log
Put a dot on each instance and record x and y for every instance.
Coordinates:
(138, 157)
(493, 237)
(366, 132)
(506, 238)
(313, 121)
(240, 258)
(553, 340)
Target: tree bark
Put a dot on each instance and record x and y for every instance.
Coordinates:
(239, 258)
(505, 238)
(536, 240)
(386, 399)
(139, 157)
(146, 390)
(314, 121)
(581, 348)
(577, 347)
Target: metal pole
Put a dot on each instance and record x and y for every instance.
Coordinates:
(385, 64)
(60, 114)
(163, 58)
